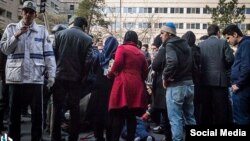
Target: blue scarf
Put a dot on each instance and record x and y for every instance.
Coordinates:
(108, 51)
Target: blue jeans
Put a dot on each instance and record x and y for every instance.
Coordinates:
(180, 109)
(241, 106)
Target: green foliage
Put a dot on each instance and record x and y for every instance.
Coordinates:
(227, 12)
(92, 11)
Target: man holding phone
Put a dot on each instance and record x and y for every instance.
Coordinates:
(30, 52)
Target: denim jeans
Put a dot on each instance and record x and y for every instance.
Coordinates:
(241, 104)
(180, 109)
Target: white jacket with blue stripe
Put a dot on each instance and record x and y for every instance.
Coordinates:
(29, 55)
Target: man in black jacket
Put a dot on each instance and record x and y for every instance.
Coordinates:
(72, 46)
(177, 77)
(216, 60)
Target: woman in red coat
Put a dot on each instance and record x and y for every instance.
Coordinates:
(128, 94)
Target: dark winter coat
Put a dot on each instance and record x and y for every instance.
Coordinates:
(71, 48)
(159, 93)
(216, 58)
(178, 65)
(241, 68)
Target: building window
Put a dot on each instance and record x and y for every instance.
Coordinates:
(130, 10)
(179, 25)
(129, 25)
(161, 10)
(56, 8)
(193, 25)
(176, 10)
(71, 7)
(9, 15)
(247, 10)
(115, 25)
(52, 4)
(2, 12)
(145, 10)
(204, 26)
(144, 25)
(69, 16)
(205, 11)
(193, 10)
(242, 26)
(112, 10)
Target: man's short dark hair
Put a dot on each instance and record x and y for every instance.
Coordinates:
(213, 29)
(230, 29)
(80, 22)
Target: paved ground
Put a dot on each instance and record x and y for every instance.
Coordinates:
(84, 136)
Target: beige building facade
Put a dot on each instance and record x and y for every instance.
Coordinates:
(147, 16)
(8, 12)
(10, 9)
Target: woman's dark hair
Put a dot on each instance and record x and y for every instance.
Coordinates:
(230, 29)
(145, 45)
(131, 36)
(190, 37)
(213, 30)
(139, 44)
(204, 37)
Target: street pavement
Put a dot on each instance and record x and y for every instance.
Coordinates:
(84, 136)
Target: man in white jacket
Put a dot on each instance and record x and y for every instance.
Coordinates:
(30, 53)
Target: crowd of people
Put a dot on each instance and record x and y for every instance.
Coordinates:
(177, 83)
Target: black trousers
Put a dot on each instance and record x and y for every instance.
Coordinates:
(215, 106)
(20, 94)
(66, 91)
(118, 118)
(4, 101)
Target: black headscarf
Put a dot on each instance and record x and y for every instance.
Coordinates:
(189, 37)
(131, 36)
(157, 41)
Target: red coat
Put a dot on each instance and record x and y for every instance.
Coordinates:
(130, 71)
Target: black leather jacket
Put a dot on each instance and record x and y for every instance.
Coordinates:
(71, 48)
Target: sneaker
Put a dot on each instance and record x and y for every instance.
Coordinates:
(26, 114)
(149, 138)
(137, 139)
(158, 130)
(163, 139)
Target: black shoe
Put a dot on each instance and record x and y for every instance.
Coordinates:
(158, 130)
(26, 114)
